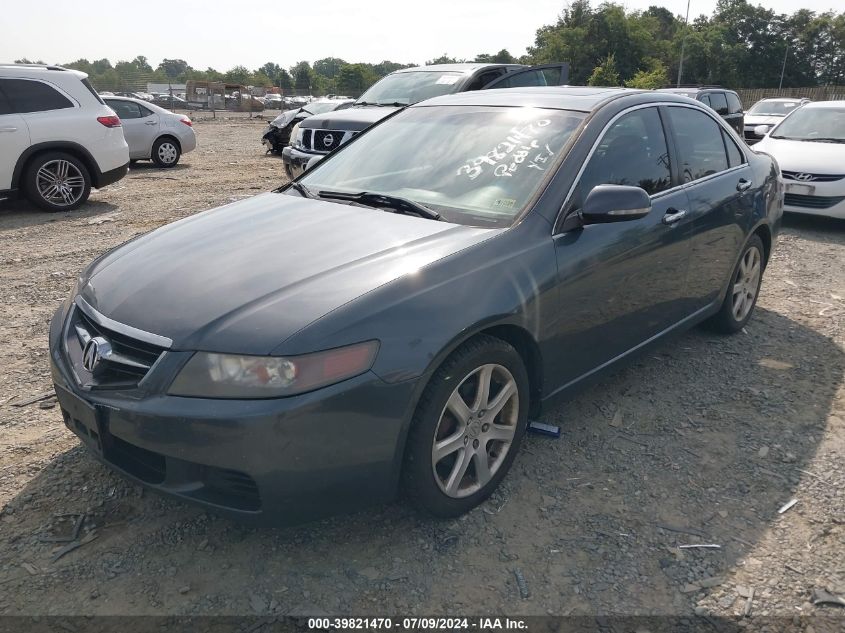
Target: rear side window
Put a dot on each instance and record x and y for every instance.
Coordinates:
(632, 152)
(700, 144)
(125, 109)
(718, 102)
(735, 156)
(27, 95)
(734, 104)
(705, 99)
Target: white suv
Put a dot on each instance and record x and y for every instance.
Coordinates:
(57, 137)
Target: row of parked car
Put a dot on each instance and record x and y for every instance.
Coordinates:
(815, 176)
(59, 137)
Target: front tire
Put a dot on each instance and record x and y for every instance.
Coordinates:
(743, 290)
(166, 152)
(57, 181)
(467, 428)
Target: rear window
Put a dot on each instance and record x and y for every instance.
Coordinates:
(734, 104)
(88, 85)
(718, 102)
(28, 95)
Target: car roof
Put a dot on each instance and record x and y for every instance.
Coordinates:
(783, 99)
(465, 68)
(580, 98)
(36, 70)
(824, 104)
(151, 106)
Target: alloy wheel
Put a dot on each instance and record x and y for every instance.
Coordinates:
(167, 152)
(60, 182)
(475, 431)
(746, 283)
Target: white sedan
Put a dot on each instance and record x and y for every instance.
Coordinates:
(809, 146)
(153, 132)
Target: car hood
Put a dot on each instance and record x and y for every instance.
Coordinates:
(805, 156)
(245, 277)
(355, 119)
(753, 119)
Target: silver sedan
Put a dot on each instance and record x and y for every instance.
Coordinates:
(153, 132)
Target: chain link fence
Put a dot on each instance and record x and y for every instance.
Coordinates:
(750, 96)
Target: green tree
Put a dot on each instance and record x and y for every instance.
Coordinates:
(502, 57)
(329, 66)
(655, 77)
(443, 59)
(303, 76)
(605, 74)
(355, 78)
(173, 68)
(238, 75)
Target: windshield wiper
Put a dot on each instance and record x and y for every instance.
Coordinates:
(365, 103)
(827, 139)
(302, 190)
(380, 200)
(397, 104)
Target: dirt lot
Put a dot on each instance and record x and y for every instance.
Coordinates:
(700, 442)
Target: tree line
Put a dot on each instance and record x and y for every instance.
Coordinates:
(740, 45)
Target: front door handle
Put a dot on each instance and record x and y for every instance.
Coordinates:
(743, 184)
(8, 129)
(149, 122)
(673, 215)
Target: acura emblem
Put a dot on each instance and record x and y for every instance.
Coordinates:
(328, 140)
(804, 177)
(95, 350)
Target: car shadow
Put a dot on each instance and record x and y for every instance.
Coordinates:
(816, 228)
(699, 441)
(17, 213)
(143, 166)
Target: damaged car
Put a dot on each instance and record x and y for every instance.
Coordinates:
(278, 133)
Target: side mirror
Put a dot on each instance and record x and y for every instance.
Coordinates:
(761, 130)
(615, 203)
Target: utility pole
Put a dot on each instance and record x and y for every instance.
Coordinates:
(783, 68)
(683, 46)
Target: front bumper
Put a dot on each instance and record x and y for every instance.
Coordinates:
(815, 198)
(296, 161)
(272, 461)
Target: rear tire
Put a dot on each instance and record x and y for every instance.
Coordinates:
(743, 290)
(166, 152)
(57, 181)
(463, 438)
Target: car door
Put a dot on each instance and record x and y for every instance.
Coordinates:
(14, 139)
(140, 126)
(718, 182)
(542, 75)
(622, 283)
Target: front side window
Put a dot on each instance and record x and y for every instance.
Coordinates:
(699, 142)
(26, 95)
(125, 109)
(633, 152)
(475, 165)
(411, 87)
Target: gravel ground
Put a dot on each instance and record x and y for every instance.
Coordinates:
(699, 442)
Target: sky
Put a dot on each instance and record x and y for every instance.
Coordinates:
(225, 34)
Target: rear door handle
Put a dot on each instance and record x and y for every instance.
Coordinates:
(743, 184)
(673, 215)
(149, 123)
(8, 129)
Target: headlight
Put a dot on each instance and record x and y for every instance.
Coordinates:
(75, 291)
(211, 375)
(295, 140)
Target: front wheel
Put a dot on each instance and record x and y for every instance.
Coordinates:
(166, 152)
(467, 428)
(743, 290)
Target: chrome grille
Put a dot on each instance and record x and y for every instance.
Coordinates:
(793, 175)
(325, 141)
(126, 361)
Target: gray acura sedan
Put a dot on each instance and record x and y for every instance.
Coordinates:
(392, 319)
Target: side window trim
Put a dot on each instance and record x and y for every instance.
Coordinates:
(561, 216)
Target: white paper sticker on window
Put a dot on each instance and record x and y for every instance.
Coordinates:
(448, 79)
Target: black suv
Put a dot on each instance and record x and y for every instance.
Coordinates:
(726, 103)
(318, 135)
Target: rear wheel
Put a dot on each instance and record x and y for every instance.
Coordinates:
(467, 428)
(56, 181)
(743, 291)
(166, 152)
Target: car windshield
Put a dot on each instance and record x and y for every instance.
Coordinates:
(474, 165)
(411, 87)
(813, 124)
(319, 107)
(773, 108)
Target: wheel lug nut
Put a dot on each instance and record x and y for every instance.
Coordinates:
(484, 427)
(475, 443)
